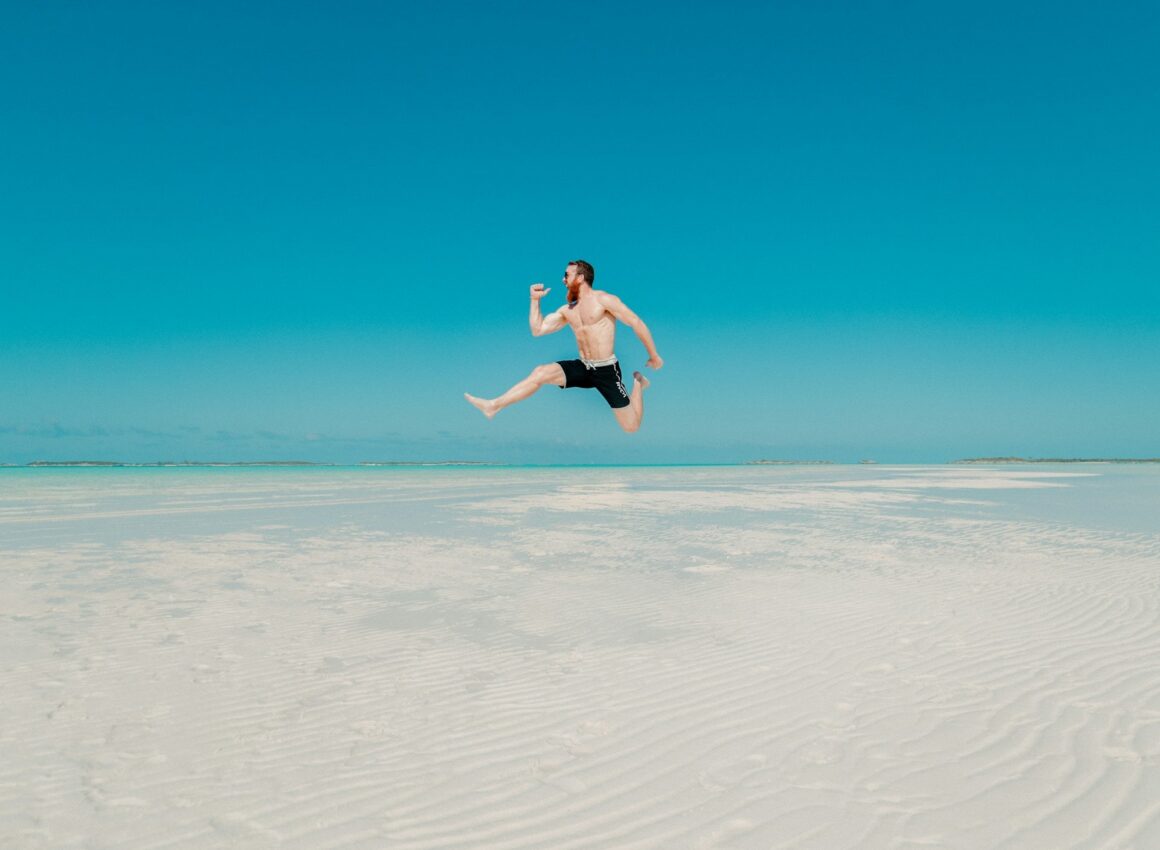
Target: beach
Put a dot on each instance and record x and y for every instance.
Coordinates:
(653, 657)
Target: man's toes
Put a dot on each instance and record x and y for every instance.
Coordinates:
(483, 405)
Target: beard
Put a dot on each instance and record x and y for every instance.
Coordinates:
(574, 293)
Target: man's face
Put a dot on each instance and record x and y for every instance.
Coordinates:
(571, 278)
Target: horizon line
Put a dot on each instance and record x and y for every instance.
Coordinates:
(114, 464)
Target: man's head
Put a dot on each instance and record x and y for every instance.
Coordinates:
(578, 273)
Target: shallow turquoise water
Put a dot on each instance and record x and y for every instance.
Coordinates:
(107, 504)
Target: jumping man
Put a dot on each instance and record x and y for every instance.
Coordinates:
(592, 315)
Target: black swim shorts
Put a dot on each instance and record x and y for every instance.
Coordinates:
(607, 379)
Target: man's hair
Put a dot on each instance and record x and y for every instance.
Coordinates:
(585, 268)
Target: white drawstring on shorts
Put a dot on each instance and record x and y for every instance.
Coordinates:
(592, 364)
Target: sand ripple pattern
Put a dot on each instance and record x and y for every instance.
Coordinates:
(699, 658)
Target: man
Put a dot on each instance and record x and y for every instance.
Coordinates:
(592, 315)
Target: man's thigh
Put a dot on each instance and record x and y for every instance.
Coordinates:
(551, 373)
(572, 373)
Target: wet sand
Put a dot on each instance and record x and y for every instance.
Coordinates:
(838, 657)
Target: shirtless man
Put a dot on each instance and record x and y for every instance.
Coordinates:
(592, 315)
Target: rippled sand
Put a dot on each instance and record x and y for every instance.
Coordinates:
(753, 657)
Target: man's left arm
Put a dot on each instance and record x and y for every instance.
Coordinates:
(620, 310)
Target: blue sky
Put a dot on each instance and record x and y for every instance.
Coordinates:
(905, 231)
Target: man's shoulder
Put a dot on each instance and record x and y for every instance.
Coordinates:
(605, 297)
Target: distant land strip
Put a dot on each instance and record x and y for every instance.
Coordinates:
(191, 463)
(766, 462)
(41, 464)
(769, 462)
(1058, 460)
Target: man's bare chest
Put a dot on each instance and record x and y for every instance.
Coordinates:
(587, 320)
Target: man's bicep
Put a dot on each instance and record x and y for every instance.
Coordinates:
(620, 310)
(552, 322)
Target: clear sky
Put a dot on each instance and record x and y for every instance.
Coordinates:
(906, 231)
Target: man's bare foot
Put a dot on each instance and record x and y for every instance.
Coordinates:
(487, 408)
(640, 379)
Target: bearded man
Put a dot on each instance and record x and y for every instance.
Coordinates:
(592, 315)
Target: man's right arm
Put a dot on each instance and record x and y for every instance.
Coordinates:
(540, 325)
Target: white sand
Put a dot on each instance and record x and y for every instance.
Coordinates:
(698, 658)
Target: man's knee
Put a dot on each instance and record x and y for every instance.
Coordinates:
(545, 373)
(630, 426)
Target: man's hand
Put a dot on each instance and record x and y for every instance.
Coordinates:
(538, 291)
(654, 362)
